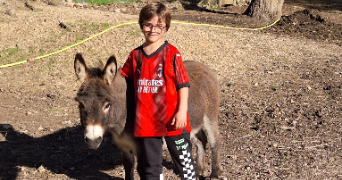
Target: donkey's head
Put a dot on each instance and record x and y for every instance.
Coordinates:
(95, 98)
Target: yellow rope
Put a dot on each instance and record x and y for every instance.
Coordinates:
(13, 64)
(227, 27)
(68, 47)
(128, 23)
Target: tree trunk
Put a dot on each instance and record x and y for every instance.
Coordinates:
(265, 10)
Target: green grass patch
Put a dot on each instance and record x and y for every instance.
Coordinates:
(103, 2)
(9, 54)
(80, 36)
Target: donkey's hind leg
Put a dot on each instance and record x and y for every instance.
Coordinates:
(200, 140)
(212, 132)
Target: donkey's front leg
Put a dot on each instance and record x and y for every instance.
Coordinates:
(128, 163)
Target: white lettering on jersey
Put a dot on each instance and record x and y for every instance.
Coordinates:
(149, 86)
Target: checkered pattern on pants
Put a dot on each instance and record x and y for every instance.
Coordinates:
(188, 168)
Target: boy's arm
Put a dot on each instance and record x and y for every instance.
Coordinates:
(127, 69)
(180, 119)
(182, 84)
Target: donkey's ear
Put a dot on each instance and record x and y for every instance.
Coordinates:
(80, 67)
(110, 70)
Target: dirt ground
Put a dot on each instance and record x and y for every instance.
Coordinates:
(280, 88)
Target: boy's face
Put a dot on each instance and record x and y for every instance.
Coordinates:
(154, 30)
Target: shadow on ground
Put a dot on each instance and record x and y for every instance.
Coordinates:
(63, 152)
(317, 4)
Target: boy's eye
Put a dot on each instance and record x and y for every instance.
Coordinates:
(149, 26)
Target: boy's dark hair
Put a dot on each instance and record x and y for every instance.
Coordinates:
(151, 10)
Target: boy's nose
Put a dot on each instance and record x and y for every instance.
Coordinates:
(154, 28)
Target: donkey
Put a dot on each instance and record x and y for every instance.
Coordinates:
(106, 103)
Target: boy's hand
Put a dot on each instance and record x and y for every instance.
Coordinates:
(180, 120)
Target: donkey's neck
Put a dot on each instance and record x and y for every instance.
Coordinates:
(123, 114)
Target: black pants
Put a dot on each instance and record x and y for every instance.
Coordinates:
(150, 157)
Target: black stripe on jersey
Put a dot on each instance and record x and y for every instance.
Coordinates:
(183, 85)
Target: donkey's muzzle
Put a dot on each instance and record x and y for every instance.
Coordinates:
(93, 136)
(93, 143)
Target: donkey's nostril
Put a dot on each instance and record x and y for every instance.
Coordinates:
(86, 140)
(93, 143)
(98, 140)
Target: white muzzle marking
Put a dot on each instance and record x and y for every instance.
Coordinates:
(93, 132)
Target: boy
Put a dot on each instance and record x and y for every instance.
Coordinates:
(161, 93)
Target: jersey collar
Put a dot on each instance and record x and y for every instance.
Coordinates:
(155, 52)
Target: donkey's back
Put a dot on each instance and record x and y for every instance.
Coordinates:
(203, 113)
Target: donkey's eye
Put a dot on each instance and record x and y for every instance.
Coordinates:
(107, 106)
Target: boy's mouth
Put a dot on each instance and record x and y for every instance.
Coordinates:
(153, 34)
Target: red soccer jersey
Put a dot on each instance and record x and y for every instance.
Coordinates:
(157, 78)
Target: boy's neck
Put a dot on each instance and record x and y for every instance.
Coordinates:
(150, 48)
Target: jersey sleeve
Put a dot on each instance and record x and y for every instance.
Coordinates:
(181, 77)
(127, 69)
